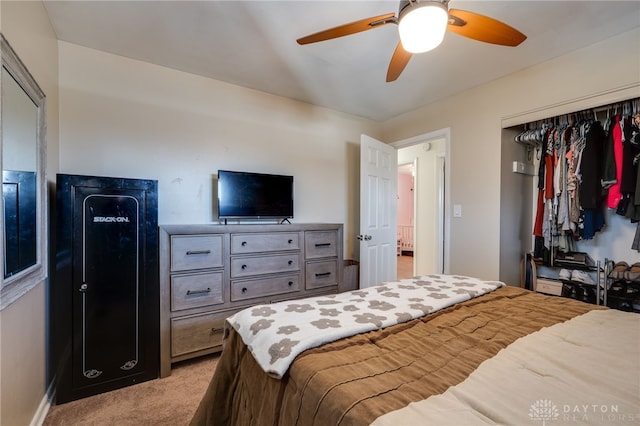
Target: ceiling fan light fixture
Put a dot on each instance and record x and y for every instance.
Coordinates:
(422, 26)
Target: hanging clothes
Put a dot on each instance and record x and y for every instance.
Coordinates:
(635, 140)
(608, 160)
(563, 195)
(629, 150)
(629, 206)
(573, 177)
(614, 195)
(537, 225)
(539, 250)
(591, 187)
(584, 166)
(548, 224)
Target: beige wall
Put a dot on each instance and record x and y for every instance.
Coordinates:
(587, 77)
(121, 117)
(23, 323)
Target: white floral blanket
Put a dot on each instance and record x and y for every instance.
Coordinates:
(277, 333)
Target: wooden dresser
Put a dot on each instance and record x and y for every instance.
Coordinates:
(209, 272)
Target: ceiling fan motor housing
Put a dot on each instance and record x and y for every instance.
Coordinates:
(404, 4)
(422, 25)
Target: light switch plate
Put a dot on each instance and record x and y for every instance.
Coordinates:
(457, 210)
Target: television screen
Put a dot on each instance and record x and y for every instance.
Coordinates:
(254, 195)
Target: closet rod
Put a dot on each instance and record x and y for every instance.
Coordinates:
(633, 104)
(617, 105)
(533, 131)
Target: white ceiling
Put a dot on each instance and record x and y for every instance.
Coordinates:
(252, 44)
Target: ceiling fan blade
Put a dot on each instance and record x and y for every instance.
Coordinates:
(351, 28)
(399, 61)
(483, 28)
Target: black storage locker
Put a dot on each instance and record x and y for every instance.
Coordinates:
(105, 294)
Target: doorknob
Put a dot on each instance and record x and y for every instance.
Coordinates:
(364, 237)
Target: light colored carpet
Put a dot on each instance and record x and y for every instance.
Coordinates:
(169, 401)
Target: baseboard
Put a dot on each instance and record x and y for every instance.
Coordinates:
(45, 404)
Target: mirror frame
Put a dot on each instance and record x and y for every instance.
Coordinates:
(12, 288)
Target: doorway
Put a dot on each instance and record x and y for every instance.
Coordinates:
(406, 212)
(428, 250)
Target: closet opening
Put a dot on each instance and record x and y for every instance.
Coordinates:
(569, 187)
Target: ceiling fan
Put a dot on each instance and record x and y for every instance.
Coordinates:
(422, 25)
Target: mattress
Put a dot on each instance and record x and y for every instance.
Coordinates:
(357, 380)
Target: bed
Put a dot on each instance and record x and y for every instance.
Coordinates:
(459, 351)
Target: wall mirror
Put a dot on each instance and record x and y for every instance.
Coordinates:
(23, 181)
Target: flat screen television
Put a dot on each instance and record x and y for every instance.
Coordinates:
(244, 195)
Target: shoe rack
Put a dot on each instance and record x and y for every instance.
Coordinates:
(584, 282)
(622, 289)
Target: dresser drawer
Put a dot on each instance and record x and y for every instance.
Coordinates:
(196, 290)
(197, 332)
(196, 252)
(251, 289)
(321, 274)
(258, 265)
(320, 244)
(255, 243)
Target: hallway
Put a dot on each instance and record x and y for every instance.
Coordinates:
(405, 267)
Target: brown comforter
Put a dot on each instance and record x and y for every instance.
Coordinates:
(355, 380)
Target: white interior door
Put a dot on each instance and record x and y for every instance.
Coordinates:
(378, 212)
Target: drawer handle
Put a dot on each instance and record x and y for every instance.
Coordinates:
(290, 241)
(215, 330)
(323, 244)
(244, 290)
(243, 267)
(323, 274)
(192, 252)
(290, 262)
(290, 283)
(244, 244)
(190, 292)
